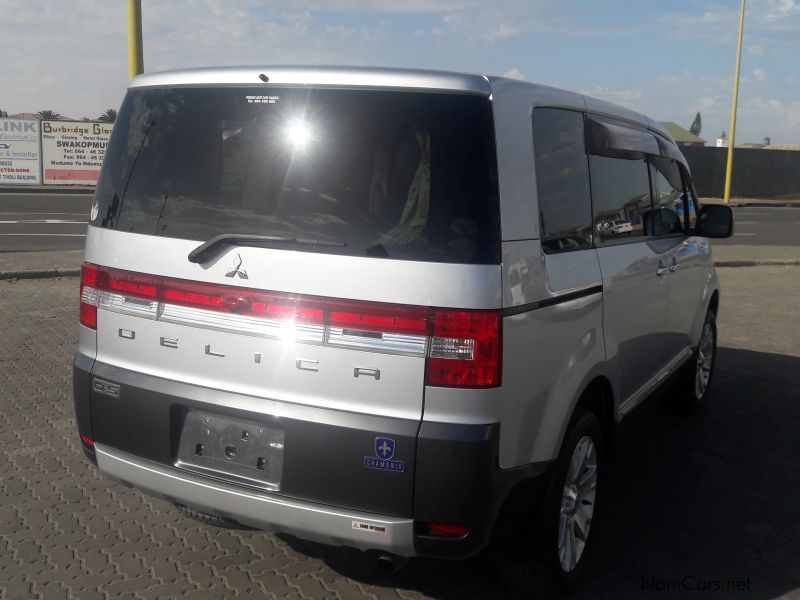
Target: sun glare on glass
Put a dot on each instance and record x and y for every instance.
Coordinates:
(299, 134)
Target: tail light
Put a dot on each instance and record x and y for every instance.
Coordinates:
(463, 347)
(89, 277)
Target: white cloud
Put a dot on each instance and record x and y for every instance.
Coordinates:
(626, 97)
(759, 74)
(514, 73)
(765, 21)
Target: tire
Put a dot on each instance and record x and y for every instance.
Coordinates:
(212, 520)
(695, 380)
(539, 564)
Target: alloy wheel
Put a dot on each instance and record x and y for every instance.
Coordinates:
(577, 504)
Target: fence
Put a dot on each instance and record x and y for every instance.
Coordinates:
(757, 173)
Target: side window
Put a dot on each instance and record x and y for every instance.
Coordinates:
(562, 180)
(669, 210)
(621, 198)
(690, 206)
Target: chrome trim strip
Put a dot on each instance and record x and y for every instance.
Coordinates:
(242, 324)
(388, 343)
(326, 524)
(384, 343)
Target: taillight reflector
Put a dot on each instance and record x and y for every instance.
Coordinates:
(365, 316)
(447, 530)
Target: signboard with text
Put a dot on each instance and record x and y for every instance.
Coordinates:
(73, 151)
(19, 152)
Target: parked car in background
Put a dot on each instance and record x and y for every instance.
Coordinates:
(619, 227)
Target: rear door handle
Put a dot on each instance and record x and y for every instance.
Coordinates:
(674, 266)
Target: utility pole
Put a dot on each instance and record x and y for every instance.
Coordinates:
(135, 54)
(732, 138)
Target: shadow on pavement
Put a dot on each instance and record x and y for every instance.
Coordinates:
(694, 506)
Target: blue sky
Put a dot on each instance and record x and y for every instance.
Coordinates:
(666, 59)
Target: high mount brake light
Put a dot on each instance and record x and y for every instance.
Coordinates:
(463, 347)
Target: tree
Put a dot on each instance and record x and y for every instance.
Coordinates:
(109, 116)
(47, 115)
(3, 113)
(697, 125)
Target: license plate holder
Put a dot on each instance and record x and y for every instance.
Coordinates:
(236, 450)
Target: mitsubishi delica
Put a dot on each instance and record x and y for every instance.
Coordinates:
(394, 310)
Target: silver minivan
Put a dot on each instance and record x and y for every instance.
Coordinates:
(395, 310)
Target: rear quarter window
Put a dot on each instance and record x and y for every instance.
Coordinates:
(562, 180)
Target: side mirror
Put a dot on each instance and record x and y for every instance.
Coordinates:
(715, 221)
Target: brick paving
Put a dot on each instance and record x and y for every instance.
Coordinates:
(689, 501)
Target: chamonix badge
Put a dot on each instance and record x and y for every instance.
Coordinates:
(384, 455)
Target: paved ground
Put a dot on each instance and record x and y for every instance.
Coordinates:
(691, 501)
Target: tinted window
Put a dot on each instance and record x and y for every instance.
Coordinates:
(691, 200)
(668, 200)
(375, 173)
(562, 180)
(621, 197)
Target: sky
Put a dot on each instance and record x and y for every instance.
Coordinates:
(668, 60)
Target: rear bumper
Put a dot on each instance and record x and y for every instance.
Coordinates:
(328, 525)
(451, 473)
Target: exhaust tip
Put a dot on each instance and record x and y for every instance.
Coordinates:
(391, 564)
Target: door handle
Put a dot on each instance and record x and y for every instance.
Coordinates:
(661, 269)
(674, 266)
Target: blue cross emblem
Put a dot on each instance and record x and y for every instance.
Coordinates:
(384, 448)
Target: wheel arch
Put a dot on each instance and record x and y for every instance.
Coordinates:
(598, 398)
(713, 303)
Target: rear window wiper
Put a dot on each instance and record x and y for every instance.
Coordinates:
(203, 251)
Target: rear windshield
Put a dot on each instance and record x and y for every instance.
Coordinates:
(387, 174)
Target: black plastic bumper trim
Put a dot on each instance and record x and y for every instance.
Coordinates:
(523, 308)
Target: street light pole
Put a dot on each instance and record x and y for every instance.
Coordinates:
(732, 138)
(135, 54)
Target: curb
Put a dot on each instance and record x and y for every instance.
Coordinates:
(39, 189)
(765, 205)
(757, 263)
(39, 274)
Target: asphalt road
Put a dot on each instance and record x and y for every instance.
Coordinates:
(31, 222)
(765, 226)
(691, 502)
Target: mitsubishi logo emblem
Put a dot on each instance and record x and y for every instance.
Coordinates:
(237, 270)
